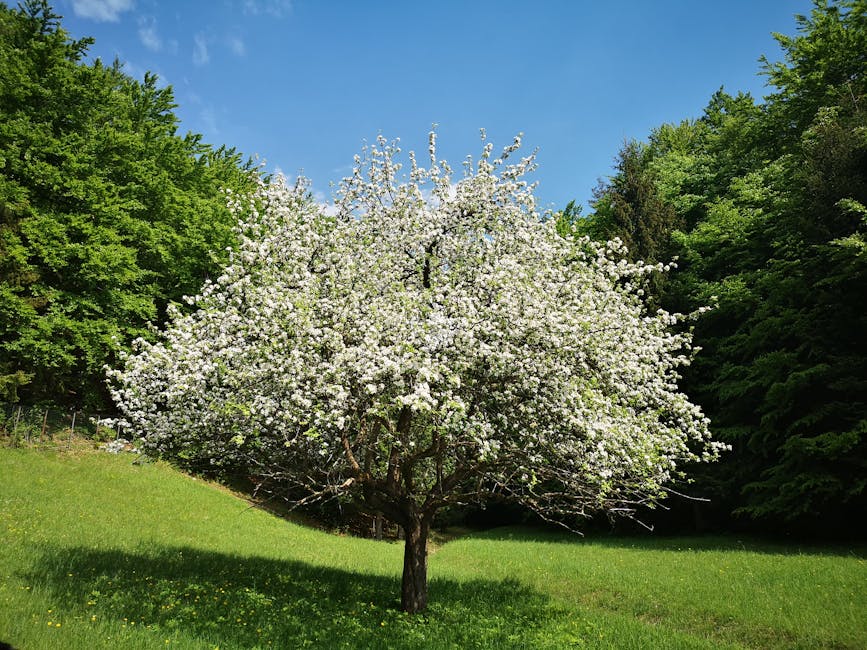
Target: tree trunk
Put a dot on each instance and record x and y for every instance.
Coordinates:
(377, 527)
(413, 593)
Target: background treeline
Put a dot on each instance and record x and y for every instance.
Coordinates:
(107, 214)
(764, 205)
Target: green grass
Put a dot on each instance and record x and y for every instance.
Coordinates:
(98, 553)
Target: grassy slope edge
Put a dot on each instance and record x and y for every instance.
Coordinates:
(99, 553)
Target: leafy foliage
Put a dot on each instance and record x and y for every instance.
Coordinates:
(770, 199)
(106, 214)
(631, 206)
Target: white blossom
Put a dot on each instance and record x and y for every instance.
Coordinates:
(435, 327)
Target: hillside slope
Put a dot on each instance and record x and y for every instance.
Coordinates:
(101, 553)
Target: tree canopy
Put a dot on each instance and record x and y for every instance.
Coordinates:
(431, 344)
(107, 214)
(768, 221)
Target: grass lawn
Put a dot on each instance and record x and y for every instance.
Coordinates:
(96, 552)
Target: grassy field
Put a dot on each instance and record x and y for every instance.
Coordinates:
(96, 552)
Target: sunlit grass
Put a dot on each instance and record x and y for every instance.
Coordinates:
(758, 595)
(98, 553)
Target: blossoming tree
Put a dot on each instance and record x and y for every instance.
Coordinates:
(432, 343)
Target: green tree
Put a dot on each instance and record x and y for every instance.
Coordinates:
(770, 198)
(789, 371)
(106, 214)
(629, 206)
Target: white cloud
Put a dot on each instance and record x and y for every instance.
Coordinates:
(133, 70)
(279, 173)
(325, 204)
(237, 46)
(273, 8)
(208, 117)
(427, 193)
(200, 50)
(147, 33)
(137, 72)
(101, 10)
(343, 170)
(329, 209)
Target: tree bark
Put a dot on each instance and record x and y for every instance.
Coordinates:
(413, 594)
(377, 526)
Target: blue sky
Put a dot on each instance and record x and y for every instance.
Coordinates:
(302, 83)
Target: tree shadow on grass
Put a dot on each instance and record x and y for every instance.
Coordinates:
(650, 542)
(238, 601)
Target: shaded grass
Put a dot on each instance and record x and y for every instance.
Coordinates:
(123, 556)
(237, 601)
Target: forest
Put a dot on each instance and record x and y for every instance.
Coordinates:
(762, 203)
(109, 215)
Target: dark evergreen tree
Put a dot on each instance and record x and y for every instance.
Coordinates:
(629, 206)
(770, 198)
